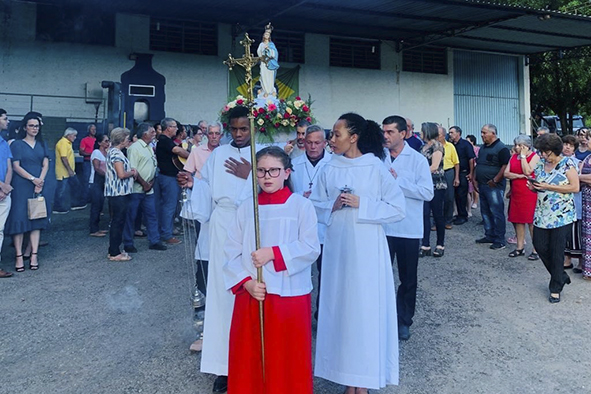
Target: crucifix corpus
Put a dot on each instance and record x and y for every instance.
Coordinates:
(248, 62)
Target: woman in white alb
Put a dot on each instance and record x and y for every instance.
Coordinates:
(357, 340)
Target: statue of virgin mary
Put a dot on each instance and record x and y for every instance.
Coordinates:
(269, 70)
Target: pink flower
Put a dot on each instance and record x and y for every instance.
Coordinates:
(226, 108)
(277, 125)
(267, 116)
(309, 119)
(271, 107)
(254, 112)
(261, 110)
(225, 125)
(282, 100)
(240, 102)
(305, 108)
(262, 130)
(298, 98)
(286, 115)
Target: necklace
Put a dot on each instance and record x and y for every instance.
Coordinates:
(311, 178)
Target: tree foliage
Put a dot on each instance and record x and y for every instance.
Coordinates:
(560, 80)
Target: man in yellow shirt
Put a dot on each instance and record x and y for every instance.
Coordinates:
(451, 166)
(67, 192)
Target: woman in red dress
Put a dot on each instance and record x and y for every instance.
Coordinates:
(522, 202)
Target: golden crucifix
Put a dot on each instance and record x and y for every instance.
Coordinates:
(248, 62)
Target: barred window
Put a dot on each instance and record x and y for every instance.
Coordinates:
(354, 53)
(171, 35)
(75, 24)
(291, 46)
(428, 60)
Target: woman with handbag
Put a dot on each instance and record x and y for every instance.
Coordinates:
(434, 152)
(28, 214)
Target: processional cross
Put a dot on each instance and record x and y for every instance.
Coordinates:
(248, 62)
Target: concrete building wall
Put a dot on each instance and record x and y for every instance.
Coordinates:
(197, 86)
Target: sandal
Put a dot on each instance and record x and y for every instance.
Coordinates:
(120, 257)
(424, 252)
(517, 252)
(533, 256)
(19, 269)
(33, 267)
(439, 251)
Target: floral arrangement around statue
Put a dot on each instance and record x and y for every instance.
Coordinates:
(272, 119)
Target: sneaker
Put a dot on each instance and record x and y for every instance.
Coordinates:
(79, 208)
(173, 241)
(497, 246)
(130, 249)
(484, 240)
(157, 246)
(474, 206)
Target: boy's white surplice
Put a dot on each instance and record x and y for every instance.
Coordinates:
(218, 193)
(357, 340)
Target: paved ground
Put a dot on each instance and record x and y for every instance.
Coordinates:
(82, 324)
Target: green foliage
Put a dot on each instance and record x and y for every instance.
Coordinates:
(559, 82)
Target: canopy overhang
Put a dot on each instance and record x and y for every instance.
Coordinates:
(471, 25)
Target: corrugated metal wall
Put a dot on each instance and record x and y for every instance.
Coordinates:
(486, 90)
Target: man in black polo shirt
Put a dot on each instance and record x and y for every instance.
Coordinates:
(166, 149)
(489, 181)
(466, 156)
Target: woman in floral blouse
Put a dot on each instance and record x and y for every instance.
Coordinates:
(556, 180)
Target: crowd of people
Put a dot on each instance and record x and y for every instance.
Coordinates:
(354, 201)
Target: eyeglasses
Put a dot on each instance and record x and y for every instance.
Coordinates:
(33, 126)
(273, 172)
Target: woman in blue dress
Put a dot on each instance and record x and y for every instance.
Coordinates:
(30, 161)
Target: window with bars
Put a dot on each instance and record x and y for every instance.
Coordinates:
(354, 53)
(171, 35)
(291, 46)
(75, 24)
(428, 60)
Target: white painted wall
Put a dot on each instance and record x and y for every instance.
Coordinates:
(197, 86)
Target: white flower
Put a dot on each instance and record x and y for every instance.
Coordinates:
(284, 122)
(260, 122)
(298, 104)
(231, 104)
(239, 97)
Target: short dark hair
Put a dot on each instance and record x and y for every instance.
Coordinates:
(430, 131)
(2, 111)
(571, 140)
(549, 142)
(457, 128)
(237, 112)
(399, 121)
(99, 138)
(142, 129)
(303, 123)
(472, 138)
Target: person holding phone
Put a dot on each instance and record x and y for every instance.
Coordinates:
(556, 181)
(522, 202)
